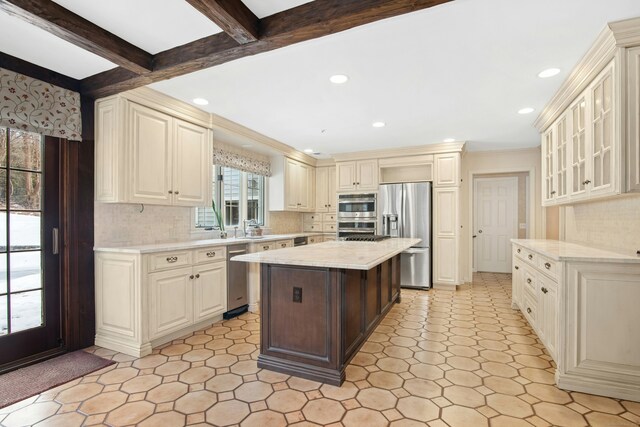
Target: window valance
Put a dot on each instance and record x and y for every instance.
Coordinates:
(246, 161)
(33, 105)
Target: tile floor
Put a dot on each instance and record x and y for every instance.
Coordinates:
(439, 359)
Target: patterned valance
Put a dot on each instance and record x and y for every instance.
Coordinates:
(36, 106)
(239, 159)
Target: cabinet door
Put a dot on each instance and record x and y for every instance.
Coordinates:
(446, 231)
(322, 190)
(447, 170)
(331, 189)
(602, 153)
(192, 165)
(550, 316)
(516, 282)
(170, 301)
(367, 175)
(291, 184)
(578, 149)
(346, 172)
(110, 158)
(561, 161)
(548, 173)
(210, 291)
(633, 118)
(150, 134)
(306, 190)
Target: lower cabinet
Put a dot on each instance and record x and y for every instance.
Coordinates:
(144, 300)
(585, 313)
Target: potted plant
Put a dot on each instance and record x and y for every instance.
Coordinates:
(218, 215)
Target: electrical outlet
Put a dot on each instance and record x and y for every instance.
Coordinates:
(297, 294)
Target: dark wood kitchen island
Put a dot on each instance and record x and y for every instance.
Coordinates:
(319, 303)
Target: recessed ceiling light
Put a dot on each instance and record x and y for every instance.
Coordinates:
(338, 79)
(526, 110)
(449, 140)
(309, 150)
(200, 101)
(378, 124)
(549, 72)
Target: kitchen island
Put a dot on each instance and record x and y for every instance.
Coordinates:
(319, 303)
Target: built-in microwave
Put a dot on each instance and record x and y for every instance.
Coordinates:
(356, 206)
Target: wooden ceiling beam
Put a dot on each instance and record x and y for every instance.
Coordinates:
(232, 16)
(308, 21)
(73, 28)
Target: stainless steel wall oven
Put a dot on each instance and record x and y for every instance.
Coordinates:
(357, 214)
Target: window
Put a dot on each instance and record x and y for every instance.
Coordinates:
(240, 195)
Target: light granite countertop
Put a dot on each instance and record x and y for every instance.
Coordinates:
(338, 254)
(565, 251)
(195, 244)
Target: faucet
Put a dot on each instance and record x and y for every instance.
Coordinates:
(250, 222)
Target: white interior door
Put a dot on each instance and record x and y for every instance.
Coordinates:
(496, 222)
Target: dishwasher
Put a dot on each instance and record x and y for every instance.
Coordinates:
(237, 282)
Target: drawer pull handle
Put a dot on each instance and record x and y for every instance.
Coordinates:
(518, 251)
(517, 268)
(529, 281)
(191, 277)
(528, 310)
(172, 259)
(553, 192)
(547, 266)
(266, 248)
(198, 276)
(211, 254)
(283, 245)
(544, 290)
(530, 256)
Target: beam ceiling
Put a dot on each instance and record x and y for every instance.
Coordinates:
(232, 16)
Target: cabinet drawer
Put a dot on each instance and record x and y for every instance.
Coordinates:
(205, 255)
(329, 217)
(281, 244)
(314, 239)
(261, 247)
(312, 217)
(529, 280)
(548, 266)
(526, 255)
(312, 226)
(167, 260)
(329, 228)
(530, 309)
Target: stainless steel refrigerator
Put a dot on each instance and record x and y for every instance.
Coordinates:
(404, 210)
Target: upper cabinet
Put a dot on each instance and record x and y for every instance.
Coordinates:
(591, 127)
(447, 170)
(361, 175)
(326, 189)
(146, 156)
(292, 186)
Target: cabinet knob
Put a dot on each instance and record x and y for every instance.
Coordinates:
(354, 183)
(586, 182)
(517, 268)
(530, 256)
(266, 248)
(357, 183)
(544, 290)
(529, 281)
(553, 192)
(547, 266)
(170, 192)
(191, 277)
(172, 259)
(283, 245)
(177, 192)
(198, 276)
(211, 254)
(518, 250)
(528, 310)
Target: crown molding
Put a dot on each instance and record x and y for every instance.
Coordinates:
(325, 162)
(401, 151)
(608, 46)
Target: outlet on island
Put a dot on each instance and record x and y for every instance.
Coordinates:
(297, 294)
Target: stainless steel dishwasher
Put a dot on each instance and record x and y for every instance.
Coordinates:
(237, 282)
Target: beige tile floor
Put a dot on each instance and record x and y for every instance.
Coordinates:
(439, 359)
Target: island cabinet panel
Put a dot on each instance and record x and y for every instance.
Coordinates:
(315, 319)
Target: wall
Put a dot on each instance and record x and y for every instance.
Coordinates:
(124, 224)
(612, 224)
(492, 162)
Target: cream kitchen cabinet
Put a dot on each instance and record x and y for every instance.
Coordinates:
(555, 161)
(360, 175)
(447, 170)
(146, 299)
(633, 119)
(145, 156)
(291, 186)
(581, 302)
(446, 237)
(326, 189)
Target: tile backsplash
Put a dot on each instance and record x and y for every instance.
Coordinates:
(117, 224)
(612, 224)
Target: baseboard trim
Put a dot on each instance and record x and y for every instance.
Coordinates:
(445, 286)
(599, 387)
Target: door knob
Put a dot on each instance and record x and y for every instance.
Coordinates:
(479, 231)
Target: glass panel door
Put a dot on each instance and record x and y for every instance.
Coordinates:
(29, 304)
(561, 158)
(602, 132)
(578, 141)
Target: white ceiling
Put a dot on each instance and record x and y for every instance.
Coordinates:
(460, 70)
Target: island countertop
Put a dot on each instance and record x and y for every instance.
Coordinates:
(338, 254)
